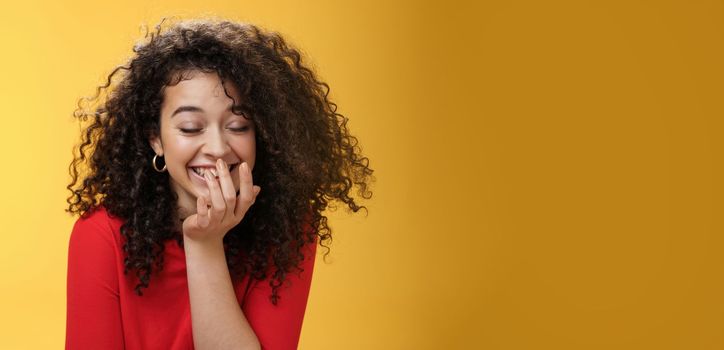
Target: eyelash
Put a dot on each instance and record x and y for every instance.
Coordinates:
(191, 131)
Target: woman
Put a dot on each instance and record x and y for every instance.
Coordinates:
(200, 184)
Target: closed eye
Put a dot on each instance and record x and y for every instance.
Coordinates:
(242, 129)
(191, 131)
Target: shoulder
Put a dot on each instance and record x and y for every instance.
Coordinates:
(99, 216)
(96, 227)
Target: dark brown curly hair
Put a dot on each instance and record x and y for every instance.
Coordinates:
(306, 156)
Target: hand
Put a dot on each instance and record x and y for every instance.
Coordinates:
(210, 224)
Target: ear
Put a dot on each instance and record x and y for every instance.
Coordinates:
(156, 145)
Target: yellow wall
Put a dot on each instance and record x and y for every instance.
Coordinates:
(549, 172)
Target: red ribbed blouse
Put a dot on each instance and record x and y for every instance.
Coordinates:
(103, 311)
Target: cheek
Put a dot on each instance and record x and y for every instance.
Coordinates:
(252, 146)
(180, 151)
(179, 173)
(246, 149)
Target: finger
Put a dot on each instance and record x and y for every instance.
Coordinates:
(246, 196)
(256, 191)
(202, 212)
(217, 200)
(227, 187)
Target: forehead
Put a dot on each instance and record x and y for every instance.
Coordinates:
(199, 88)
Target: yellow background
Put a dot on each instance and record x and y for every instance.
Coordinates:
(549, 172)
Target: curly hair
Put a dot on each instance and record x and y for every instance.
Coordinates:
(306, 157)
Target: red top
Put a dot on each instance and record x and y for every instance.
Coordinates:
(104, 312)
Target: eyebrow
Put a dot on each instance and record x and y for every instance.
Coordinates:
(187, 109)
(191, 109)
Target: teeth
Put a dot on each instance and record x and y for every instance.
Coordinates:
(202, 171)
(212, 171)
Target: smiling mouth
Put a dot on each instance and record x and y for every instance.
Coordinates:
(202, 170)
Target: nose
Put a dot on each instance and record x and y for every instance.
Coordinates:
(216, 145)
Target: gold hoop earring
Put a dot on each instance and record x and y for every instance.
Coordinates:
(153, 163)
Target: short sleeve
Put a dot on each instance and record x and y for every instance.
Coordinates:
(93, 309)
(278, 327)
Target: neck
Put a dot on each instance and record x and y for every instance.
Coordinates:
(186, 203)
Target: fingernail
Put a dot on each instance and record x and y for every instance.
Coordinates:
(245, 166)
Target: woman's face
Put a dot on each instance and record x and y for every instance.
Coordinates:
(197, 128)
